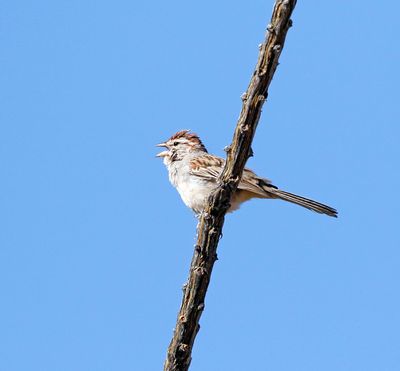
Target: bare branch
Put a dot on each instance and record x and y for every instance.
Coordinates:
(209, 228)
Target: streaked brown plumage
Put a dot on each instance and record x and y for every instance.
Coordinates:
(194, 173)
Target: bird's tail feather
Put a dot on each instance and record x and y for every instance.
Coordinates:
(302, 201)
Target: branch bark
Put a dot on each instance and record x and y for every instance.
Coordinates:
(209, 228)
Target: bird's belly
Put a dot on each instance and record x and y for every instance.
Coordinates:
(194, 194)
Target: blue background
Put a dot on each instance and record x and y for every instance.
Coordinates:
(95, 243)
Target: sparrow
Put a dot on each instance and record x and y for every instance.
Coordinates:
(194, 173)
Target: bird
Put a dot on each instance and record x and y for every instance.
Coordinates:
(194, 173)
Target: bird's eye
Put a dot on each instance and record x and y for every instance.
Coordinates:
(176, 143)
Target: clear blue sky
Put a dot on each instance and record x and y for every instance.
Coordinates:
(95, 244)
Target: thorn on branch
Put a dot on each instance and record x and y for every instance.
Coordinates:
(244, 96)
(270, 28)
(227, 149)
(251, 153)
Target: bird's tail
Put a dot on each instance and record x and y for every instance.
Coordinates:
(302, 201)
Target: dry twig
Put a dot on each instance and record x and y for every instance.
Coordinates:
(210, 224)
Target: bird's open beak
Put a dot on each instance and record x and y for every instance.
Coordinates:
(163, 153)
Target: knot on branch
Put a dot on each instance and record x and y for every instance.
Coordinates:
(213, 231)
(183, 348)
(277, 48)
(200, 271)
(261, 99)
(244, 128)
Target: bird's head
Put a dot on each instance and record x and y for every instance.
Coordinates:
(180, 145)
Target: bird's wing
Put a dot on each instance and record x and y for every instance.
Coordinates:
(209, 167)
